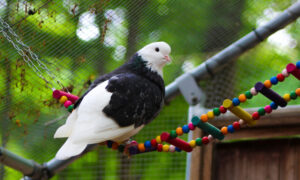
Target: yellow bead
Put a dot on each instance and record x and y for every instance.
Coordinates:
(166, 148)
(210, 114)
(287, 97)
(192, 143)
(158, 140)
(63, 99)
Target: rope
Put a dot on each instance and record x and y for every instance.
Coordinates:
(28, 56)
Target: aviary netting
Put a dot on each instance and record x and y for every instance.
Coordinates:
(29, 129)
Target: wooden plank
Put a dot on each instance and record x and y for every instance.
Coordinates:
(196, 158)
(270, 132)
(258, 160)
(207, 161)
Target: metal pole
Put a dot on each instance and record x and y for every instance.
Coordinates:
(236, 49)
(212, 65)
(26, 166)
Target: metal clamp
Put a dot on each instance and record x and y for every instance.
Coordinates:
(190, 89)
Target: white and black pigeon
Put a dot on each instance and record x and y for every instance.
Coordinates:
(117, 105)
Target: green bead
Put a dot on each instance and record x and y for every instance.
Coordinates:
(293, 95)
(121, 148)
(199, 141)
(195, 120)
(261, 111)
(248, 95)
(216, 111)
(173, 134)
(70, 108)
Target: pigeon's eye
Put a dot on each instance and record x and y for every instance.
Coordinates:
(157, 49)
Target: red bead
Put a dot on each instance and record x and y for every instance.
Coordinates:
(255, 116)
(280, 77)
(205, 140)
(159, 147)
(236, 125)
(153, 143)
(222, 109)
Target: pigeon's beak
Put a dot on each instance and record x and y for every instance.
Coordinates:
(167, 58)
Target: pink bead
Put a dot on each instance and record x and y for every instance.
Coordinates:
(191, 126)
(67, 103)
(268, 109)
(133, 142)
(242, 122)
(172, 148)
(285, 73)
(253, 91)
(210, 138)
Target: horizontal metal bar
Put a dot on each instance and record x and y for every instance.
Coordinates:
(27, 167)
(236, 49)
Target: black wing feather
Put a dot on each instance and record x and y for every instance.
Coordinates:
(135, 99)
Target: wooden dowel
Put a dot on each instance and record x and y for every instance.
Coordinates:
(208, 128)
(238, 111)
(270, 94)
(176, 142)
(292, 69)
(57, 94)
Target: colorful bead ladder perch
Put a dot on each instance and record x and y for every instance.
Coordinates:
(177, 144)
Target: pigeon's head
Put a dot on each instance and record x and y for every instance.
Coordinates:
(156, 55)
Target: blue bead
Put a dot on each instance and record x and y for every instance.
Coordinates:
(109, 144)
(274, 80)
(235, 101)
(273, 105)
(185, 129)
(230, 128)
(177, 149)
(147, 144)
(298, 64)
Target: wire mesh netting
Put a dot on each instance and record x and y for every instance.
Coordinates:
(78, 40)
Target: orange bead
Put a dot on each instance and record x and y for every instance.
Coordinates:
(115, 146)
(204, 118)
(224, 130)
(141, 147)
(298, 91)
(242, 98)
(268, 84)
(179, 131)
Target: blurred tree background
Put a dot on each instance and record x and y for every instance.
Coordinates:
(79, 40)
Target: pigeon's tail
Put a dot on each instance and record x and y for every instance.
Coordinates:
(63, 131)
(66, 129)
(70, 149)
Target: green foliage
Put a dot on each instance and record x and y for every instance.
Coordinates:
(195, 30)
